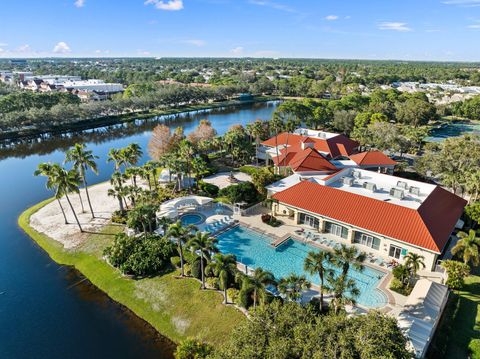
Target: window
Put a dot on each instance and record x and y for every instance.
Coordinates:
(367, 240)
(309, 220)
(336, 229)
(395, 251)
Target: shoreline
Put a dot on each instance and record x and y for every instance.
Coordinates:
(168, 323)
(87, 124)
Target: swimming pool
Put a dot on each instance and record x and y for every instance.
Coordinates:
(192, 218)
(254, 250)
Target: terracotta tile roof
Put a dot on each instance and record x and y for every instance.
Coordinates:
(372, 158)
(429, 227)
(310, 160)
(334, 146)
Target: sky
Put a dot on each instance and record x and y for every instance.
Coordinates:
(440, 30)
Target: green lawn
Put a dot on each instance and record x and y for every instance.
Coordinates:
(459, 324)
(177, 308)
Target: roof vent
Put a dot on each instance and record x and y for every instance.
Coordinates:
(348, 181)
(356, 174)
(402, 184)
(415, 191)
(397, 193)
(322, 135)
(370, 186)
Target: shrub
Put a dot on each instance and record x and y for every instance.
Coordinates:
(175, 261)
(187, 268)
(232, 294)
(209, 189)
(192, 349)
(119, 217)
(143, 218)
(266, 218)
(245, 297)
(249, 170)
(474, 348)
(456, 272)
(270, 220)
(196, 269)
(397, 286)
(140, 256)
(212, 282)
(242, 192)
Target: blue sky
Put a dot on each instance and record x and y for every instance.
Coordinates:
(367, 29)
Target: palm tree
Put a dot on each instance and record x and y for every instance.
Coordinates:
(82, 161)
(199, 166)
(292, 286)
(186, 152)
(116, 181)
(205, 244)
(68, 181)
(316, 262)
(256, 131)
(344, 291)
(180, 233)
(116, 156)
(133, 172)
(224, 268)
(345, 256)
(132, 154)
(49, 170)
(164, 222)
(258, 282)
(468, 246)
(118, 193)
(413, 262)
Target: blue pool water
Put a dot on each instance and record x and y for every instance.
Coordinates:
(254, 250)
(192, 218)
(453, 130)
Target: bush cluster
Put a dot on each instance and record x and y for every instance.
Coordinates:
(140, 256)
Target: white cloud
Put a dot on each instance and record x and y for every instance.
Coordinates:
(474, 26)
(3, 44)
(195, 42)
(237, 50)
(169, 5)
(61, 48)
(464, 3)
(395, 26)
(23, 48)
(331, 17)
(79, 3)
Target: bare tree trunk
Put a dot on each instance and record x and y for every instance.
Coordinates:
(88, 196)
(81, 202)
(63, 211)
(74, 214)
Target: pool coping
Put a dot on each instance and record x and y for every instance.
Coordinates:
(382, 286)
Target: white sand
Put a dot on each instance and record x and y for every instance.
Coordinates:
(221, 179)
(49, 220)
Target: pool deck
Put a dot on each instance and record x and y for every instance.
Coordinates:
(287, 230)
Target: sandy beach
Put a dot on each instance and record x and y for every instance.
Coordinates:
(49, 219)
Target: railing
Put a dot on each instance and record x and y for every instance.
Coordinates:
(251, 210)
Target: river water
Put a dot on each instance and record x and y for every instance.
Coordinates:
(46, 310)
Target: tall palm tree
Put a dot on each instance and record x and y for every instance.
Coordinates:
(132, 154)
(178, 232)
(67, 182)
(186, 152)
(316, 263)
(83, 160)
(344, 291)
(205, 244)
(258, 283)
(133, 172)
(49, 170)
(224, 267)
(117, 192)
(292, 286)
(257, 131)
(345, 256)
(413, 262)
(164, 222)
(468, 246)
(116, 156)
(117, 181)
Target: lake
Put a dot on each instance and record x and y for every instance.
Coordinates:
(453, 129)
(47, 310)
